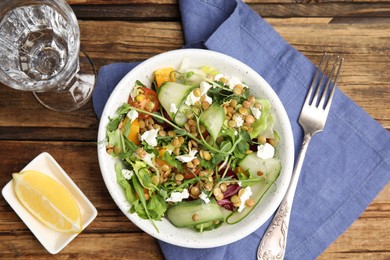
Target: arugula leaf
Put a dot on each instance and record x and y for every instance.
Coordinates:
(138, 208)
(243, 145)
(117, 139)
(124, 109)
(225, 146)
(139, 83)
(157, 206)
(172, 161)
(143, 175)
(121, 113)
(114, 123)
(126, 186)
(141, 211)
(209, 165)
(218, 158)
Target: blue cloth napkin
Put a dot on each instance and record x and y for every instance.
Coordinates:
(346, 165)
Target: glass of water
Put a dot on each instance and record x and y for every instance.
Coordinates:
(40, 52)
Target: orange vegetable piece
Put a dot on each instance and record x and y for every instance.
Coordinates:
(163, 75)
(161, 152)
(134, 131)
(161, 162)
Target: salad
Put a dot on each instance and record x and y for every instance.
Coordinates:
(195, 148)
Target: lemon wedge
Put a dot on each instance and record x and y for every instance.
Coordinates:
(48, 201)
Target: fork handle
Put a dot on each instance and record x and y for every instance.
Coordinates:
(273, 244)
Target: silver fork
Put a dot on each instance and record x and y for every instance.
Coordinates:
(312, 119)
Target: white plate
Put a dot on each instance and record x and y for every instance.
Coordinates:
(53, 241)
(259, 87)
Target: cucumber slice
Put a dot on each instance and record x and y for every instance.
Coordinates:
(212, 119)
(173, 93)
(181, 116)
(208, 226)
(264, 125)
(271, 169)
(181, 214)
(254, 164)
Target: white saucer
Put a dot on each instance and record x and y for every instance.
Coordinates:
(52, 240)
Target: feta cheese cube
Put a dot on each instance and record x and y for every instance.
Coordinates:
(150, 137)
(265, 151)
(132, 115)
(245, 195)
(178, 196)
(127, 174)
(187, 157)
(204, 197)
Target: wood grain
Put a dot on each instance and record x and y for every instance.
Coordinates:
(364, 77)
(167, 10)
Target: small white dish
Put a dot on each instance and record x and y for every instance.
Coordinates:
(53, 241)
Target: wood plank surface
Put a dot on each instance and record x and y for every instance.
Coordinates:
(169, 12)
(134, 30)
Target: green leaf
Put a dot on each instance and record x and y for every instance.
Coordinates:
(157, 206)
(143, 175)
(124, 109)
(126, 128)
(207, 164)
(225, 146)
(172, 161)
(139, 83)
(121, 113)
(217, 159)
(117, 139)
(142, 211)
(113, 124)
(126, 186)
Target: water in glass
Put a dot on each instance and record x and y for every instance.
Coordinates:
(36, 44)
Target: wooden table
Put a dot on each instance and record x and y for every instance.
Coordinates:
(133, 30)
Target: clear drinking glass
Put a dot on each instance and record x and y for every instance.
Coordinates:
(40, 52)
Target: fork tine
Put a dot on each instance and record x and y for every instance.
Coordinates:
(320, 83)
(329, 102)
(328, 84)
(314, 81)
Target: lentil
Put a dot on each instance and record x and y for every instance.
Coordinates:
(197, 92)
(195, 217)
(223, 187)
(155, 179)
(252, 99)
(219, 197)
(238, 89)
(179, 177)
(232, 123)
(165, 168)
(261, 139)
(195, 191)
(205, 105)
(249, 203)
(249, 119)
(246, 104)
(207, 155)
